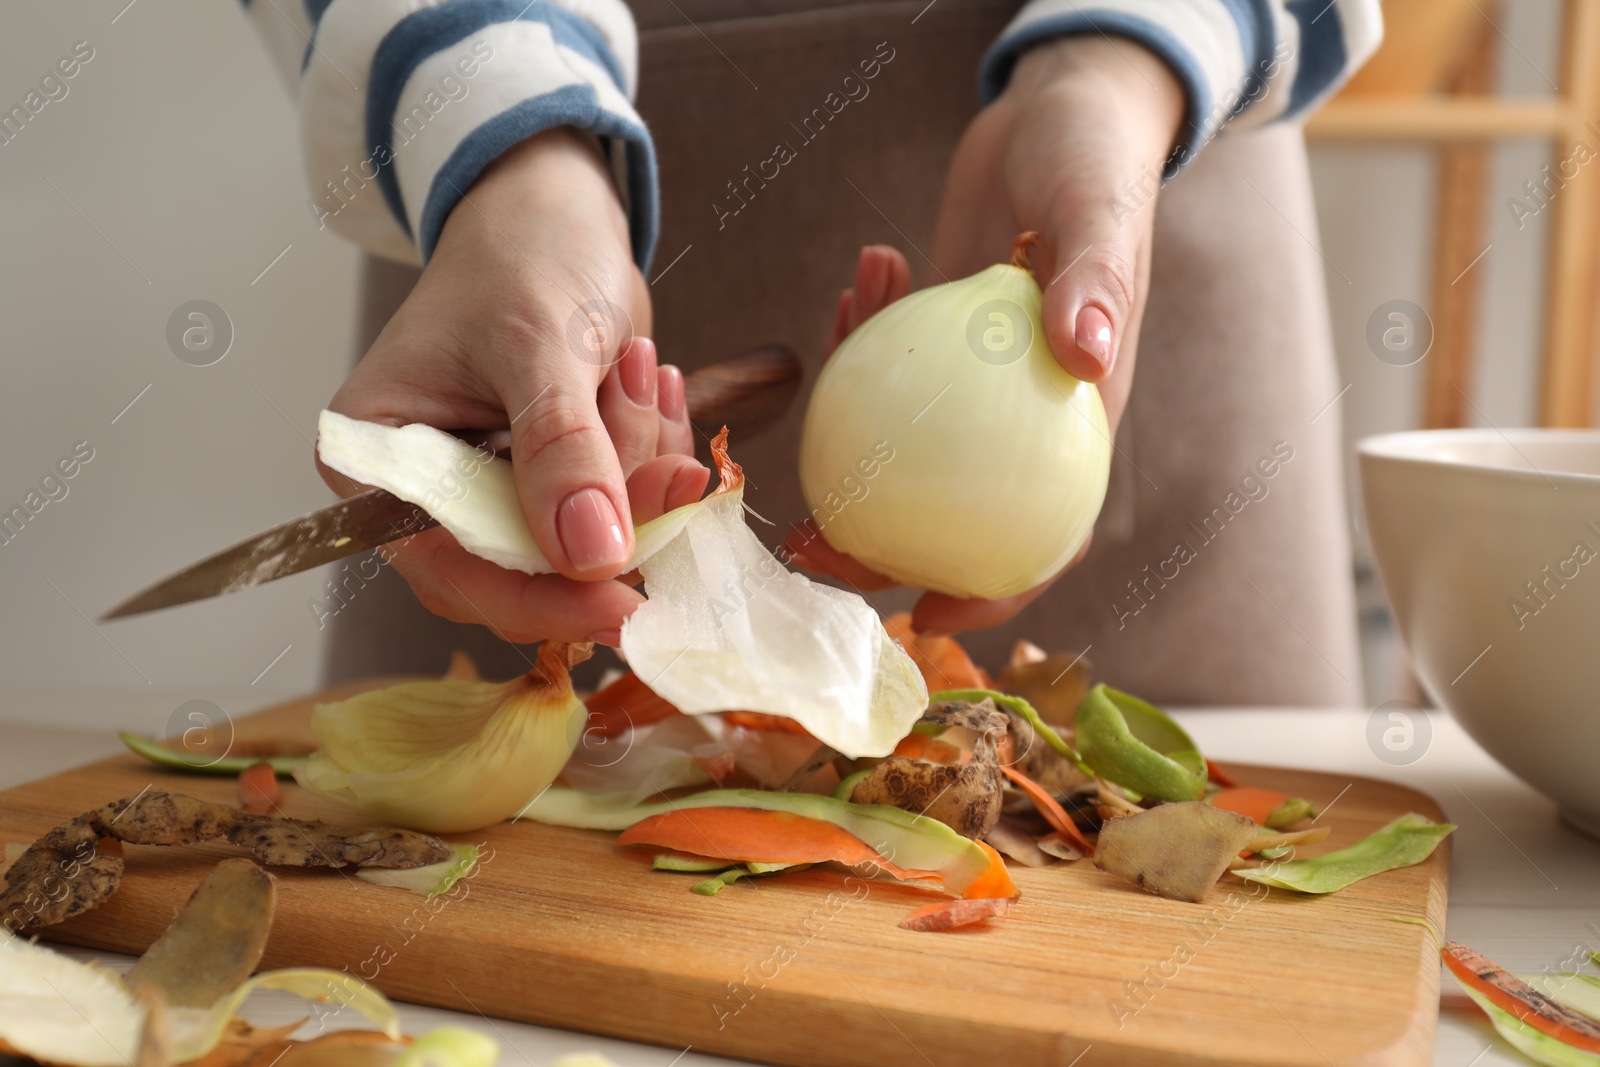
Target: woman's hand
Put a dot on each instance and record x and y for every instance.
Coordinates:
(1074, 149)
(531, 317)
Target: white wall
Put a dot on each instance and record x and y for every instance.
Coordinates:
(177, 143)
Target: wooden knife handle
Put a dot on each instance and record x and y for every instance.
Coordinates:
(747, 392)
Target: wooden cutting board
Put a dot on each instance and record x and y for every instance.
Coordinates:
(562, 927)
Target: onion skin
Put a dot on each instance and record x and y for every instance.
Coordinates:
(999, 458)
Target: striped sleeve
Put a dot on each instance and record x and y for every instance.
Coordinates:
(403, 103)
(1241, 62)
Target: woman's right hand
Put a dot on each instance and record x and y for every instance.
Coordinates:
(532, 317)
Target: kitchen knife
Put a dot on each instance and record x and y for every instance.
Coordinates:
(747, 393)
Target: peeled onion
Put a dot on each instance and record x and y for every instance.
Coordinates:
(946, 448)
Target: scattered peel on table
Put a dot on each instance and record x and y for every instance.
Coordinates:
(1049, 807)
(1267, 840)
(1254, 804)
(963, 793)
(1536, 1021)
(710, 887)
(450, 756)
(258, 789)
(240, 757)
(911, 842)
(667, 754)
(68, 871)
(951, 914)
(1059, 847)
(747, 832)
(215, 942)
(1033, 755)
(61, 1011)
(1177, 850)
(748, 835)
(1404, 842)
(1138, 746)
(1016, 844)
(179, 1004)
(1019, 707)
(1291, 811)
(429, 881)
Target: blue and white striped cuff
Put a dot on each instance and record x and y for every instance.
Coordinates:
(1251, 61)
(542, 67)
(447, 90)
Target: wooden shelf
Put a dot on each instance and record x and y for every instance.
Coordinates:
(1442, 118)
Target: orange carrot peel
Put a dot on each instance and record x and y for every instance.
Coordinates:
(1220, 776)
(932, 750)
(943, 662)
(258, 789)
(1049, 807)
(754, 835)
(745, 835)
(1511, 994)
(950, 914)
(624, 704)
(1255, 804)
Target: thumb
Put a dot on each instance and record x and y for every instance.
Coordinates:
(568, 478)
(1094, 294)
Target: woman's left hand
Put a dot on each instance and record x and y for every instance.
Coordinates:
(1074, 149)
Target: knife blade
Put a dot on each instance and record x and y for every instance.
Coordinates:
(747, 392)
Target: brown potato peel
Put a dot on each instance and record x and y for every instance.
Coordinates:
(1176, 850)
(66, 873)
(215, 942)
(965, 797)
(1035, 758)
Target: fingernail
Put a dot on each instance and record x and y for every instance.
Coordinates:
(612, 637)
(590, 531)
(686, 485)
(638, 371)
(1093, 335)
(670, 384)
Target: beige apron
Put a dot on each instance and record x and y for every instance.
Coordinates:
(1209, 581)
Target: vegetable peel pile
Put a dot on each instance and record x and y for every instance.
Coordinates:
(1127, 786)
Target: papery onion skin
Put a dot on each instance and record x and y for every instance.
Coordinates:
(999, 462)
(454, 755)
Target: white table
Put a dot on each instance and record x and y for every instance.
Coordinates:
(1524, 888)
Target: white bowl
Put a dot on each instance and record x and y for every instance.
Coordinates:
(1488, 544)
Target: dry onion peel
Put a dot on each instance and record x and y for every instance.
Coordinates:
(429, 881)
(450, 755)
(472, 495)
(62, 1011)
(726, 627)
